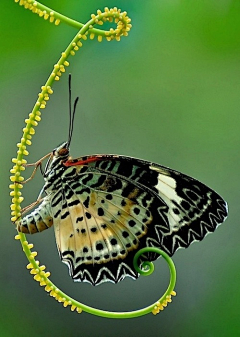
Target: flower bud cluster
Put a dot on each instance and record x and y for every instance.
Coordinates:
(35, 7)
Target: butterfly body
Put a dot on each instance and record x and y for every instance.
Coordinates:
(105, 208)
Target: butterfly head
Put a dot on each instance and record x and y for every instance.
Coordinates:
(59, 155)
(62, 151)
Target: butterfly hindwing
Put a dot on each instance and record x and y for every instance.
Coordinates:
(110, 206)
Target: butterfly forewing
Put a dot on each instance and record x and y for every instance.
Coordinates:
(106, 207)
(126, 204)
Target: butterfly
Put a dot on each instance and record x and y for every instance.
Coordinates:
(104, 208)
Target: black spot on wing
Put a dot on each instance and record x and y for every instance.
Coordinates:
(74, 203)
(86, 202)
(100, 211)
(64, 215)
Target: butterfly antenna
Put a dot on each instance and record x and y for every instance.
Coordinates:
(73, 115)
(70, 107)
(71, 112)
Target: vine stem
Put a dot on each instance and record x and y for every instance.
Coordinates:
(123, 26)
(54, 16)
(43, 278)
(37, 270)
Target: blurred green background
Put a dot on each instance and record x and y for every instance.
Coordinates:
(169, 93)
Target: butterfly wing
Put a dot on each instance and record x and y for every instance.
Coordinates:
(110, 206)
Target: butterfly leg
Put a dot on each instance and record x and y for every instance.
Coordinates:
(35, 203)
(32, 205)
(37, 165)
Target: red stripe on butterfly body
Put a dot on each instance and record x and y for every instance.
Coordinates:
(90, 159)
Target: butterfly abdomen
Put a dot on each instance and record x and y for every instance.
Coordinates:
(37, 221)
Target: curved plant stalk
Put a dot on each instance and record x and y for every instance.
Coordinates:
(38, 271)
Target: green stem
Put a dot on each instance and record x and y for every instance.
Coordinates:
(45, 10)
(55, 292)
(123, 26)
(61, 17)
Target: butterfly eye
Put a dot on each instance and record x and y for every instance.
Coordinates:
(63, 152)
